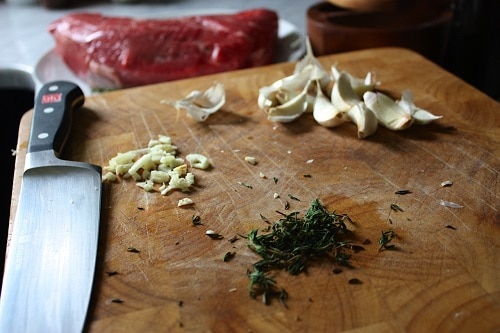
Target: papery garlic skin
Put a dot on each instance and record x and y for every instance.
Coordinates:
(325, 113)
(318, 71)
(420, 116)
(389, 113)
(199, 105)
(365, 120)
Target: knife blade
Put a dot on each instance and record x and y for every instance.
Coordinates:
(51, 256)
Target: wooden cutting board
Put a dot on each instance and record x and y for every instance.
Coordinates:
(442, 276)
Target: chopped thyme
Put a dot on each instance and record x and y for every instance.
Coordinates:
(132, 249)
(355, 281)
(233, 239)
(396, 208)
(228, 256)
(196, 220)
(403, 192)
(245, 184)
(294, 241)
(275, 180)
(264, 219)
(386, 237)
(293, 197)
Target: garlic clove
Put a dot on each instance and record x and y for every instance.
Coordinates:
(420, 116)
(290, 110)
(325, 113)
(389, 113)
(359, 85)
(364, 118)
(343, 95)
(270, 96)
(199, 105)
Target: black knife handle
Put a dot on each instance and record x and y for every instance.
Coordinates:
(53, 114)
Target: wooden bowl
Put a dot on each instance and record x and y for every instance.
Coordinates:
(332, 29)
(372, 5)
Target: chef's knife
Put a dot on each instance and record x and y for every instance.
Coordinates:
(51, 256)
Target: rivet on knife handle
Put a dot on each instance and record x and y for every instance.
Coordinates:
(51, 124)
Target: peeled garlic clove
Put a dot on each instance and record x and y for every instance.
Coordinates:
(325, 113)
(359, 85)
(199, 105)
(364, 118)
(296, 81)
(389, 113)
(343, 95)
(420, 116)
(290, 110)
(268, 96)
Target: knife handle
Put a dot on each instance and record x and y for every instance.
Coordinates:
(53, 114)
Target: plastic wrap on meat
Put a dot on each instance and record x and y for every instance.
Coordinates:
(120, 52)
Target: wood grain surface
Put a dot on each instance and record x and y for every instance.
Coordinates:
(443, 275)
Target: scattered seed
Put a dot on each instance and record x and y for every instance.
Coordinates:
(451, 227)
(111, 273)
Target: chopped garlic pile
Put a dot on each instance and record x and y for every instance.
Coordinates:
(155, 165)
(337, 97)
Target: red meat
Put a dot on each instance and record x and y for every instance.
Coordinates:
(119, 52)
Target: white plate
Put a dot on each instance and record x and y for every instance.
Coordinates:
(290, 47)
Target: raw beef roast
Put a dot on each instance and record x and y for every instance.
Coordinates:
(119, 52)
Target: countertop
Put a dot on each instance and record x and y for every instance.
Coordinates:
(24, 27)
